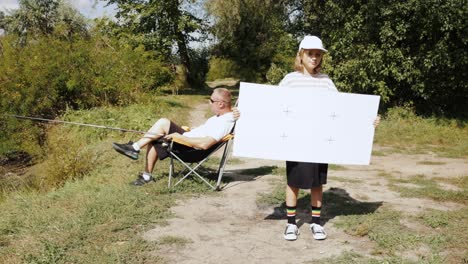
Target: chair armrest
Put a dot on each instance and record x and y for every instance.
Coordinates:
(182, 142)
(227, 137)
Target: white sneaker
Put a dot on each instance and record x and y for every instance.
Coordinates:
(318, 232)
(291, 232)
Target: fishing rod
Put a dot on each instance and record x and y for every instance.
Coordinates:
(81, 124)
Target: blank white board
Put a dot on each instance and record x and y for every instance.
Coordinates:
(300, 124)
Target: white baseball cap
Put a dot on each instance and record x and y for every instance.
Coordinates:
(312, 42)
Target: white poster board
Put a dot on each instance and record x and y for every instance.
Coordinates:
(300, 124)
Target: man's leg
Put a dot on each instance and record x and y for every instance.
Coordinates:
(291, 231)
(158, 130)
(151, 158)
(316, 194)
(132, 150)
(147, 176)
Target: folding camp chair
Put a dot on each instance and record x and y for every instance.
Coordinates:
(192, 159)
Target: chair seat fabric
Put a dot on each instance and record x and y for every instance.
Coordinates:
(189, 154)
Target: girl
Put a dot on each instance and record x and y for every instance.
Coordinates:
(304, 175)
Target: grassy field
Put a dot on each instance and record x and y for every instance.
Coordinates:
(75, 204)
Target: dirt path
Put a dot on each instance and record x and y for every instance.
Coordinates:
(228, 227)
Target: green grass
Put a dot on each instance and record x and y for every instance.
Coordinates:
(430, 162)
(430, 188)
(444, 239)
(343, 179)
(76, 204)
(351, 257)
(173, 240)
(405, 132)
(336, 167)
(446, 232)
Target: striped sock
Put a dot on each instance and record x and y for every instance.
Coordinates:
(291, 214)
(315, 213)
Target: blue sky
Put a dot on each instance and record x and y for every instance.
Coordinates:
(89, 8)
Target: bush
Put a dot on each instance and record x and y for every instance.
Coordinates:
(275, 74)
(220, 68)
(50, 75)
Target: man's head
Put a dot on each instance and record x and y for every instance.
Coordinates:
(220, 101)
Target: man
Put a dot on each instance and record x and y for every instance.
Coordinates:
(202, 137)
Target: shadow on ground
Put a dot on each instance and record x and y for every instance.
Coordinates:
(336, 202)
(239, 175)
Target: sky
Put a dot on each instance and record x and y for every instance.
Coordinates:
(89, 8)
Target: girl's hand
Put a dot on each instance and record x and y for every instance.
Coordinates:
(235, 113)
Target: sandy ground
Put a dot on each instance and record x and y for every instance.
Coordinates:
(229, 226)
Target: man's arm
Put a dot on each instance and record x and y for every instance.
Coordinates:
(194, 142)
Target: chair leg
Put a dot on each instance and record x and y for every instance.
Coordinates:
(222, 164)
(192, 170)
(171, 171)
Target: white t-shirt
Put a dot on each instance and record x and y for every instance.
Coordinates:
(216, 127)
(317, 81)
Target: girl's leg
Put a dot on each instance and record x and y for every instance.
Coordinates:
(291, 203)
(291, 231)
(316, 194)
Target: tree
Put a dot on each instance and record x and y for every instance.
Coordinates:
(405, 51)
(160, 26)
(43, 17)
(247, 34)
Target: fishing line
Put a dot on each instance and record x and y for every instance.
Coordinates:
(82, 124)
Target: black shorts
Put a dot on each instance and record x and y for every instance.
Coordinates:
(187, 154)
(305, 175)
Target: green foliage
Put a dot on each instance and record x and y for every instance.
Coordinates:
(411, 51)
(275, 74)
(199, 66)
(248, 35)
(406, 52)
(221, 68)
(50, 75)
(160, 26)
(34, 19)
